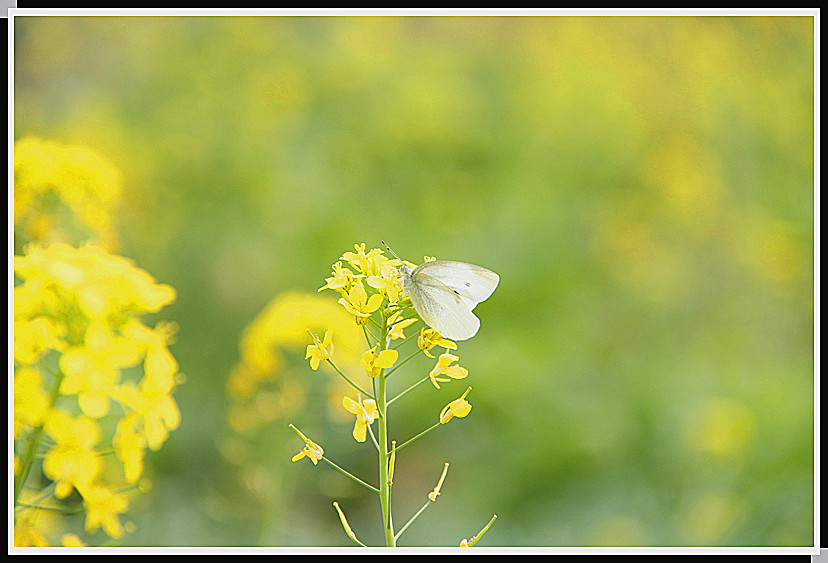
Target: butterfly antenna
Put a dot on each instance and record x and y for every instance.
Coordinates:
(391, 251)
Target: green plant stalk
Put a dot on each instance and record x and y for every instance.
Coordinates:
(393, 369)
(420, 435)
(355, 478)
(384, 485)
(346, 378)
(423, 380)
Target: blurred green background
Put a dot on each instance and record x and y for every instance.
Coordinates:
(644, 186)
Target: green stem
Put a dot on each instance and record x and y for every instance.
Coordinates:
(392, 370)
(34, 441)
(57, 509)
(423, 380)
(385, 488)
(407, 524)
(432, 497)
(367, 332)
(421, 434)
(346, 378)
(355, 478)
(373, 438)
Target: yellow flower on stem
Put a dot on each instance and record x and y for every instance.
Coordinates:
(365, 411)
(312, 450)
(72, 461)
(92, 371)
(359, 304)
(444, 367)
(130, 446)
(458, 407)
(34, 337)
(373, 362)
(30, 400)
(319, 351)
(387, 282)
(341, 279)
(102, 509)
(154, 341)
(152, 400)
(360, 260)
(429, 338)
(396, 326)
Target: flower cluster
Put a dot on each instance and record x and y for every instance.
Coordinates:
(371, 294)
(81, 353)
(63, 190)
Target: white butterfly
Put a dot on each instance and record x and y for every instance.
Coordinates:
(444, 292)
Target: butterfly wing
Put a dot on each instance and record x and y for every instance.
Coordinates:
(472, 283)
(441, 307)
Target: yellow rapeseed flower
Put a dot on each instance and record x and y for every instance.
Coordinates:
(444, 367)
(33, 337)
(319, 351)
(365, 411)
(152, 400)
(130, 446)
(341, 279)
(360, 260)
(92, 371)
(458, 407)
(373, 362)
(359, 304)
(102, 508)
(387, 282)
(72, 461)
(30, 400)
(312, 450)
(158, 360)
(396, 327)
(430, 338)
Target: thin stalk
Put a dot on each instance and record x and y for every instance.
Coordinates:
(420, 435)
(385, 488)
(392, 370)
(354, 477)
(432, 497)
(346, 378)
(407, 524)
(423, 380)
(44, 494)
(368, 333)
(57, 509)
(373, 438)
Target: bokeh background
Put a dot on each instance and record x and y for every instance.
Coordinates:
(644, 186)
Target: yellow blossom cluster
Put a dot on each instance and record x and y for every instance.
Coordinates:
(381, 275)
(376, 270)
(81, 353)
(61, 191)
